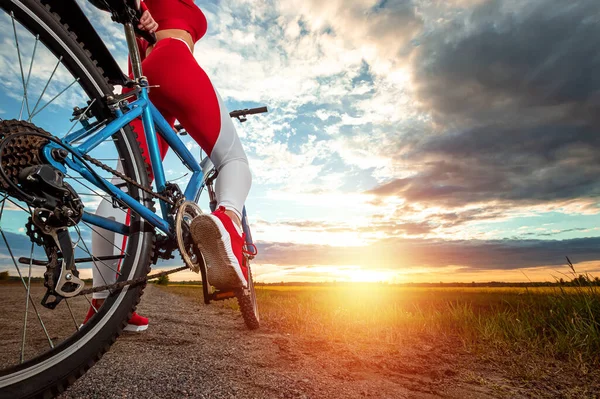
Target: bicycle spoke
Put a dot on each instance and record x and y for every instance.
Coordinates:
(26, 306)
(96, 231)
(15, 204)
(91, 304)
(25, 99)
(54, 98)
(94, 261)
(105, 197)
(12, 16)
(44, 90)
(72, 316)
(21, 277)
(94, 258)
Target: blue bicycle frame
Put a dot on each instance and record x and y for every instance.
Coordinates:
(90, 138)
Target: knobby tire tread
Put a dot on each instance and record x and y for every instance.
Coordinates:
(247, 307)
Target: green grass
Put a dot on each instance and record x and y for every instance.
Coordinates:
(561, 323)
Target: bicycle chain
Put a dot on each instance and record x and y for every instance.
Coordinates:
(25, 152)
(127, 179)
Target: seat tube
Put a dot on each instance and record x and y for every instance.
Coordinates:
(134, 52)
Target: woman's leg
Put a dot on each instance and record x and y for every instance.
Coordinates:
(186, 92)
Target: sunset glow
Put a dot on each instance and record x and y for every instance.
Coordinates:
(405, 141)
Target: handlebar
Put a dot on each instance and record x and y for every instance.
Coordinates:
(239, 113)
(248, 111)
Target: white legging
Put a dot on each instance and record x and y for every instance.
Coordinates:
(231, 187)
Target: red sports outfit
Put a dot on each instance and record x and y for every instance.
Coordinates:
(185, 93)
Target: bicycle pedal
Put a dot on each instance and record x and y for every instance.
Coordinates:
(222, 295)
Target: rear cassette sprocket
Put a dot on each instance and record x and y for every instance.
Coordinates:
(22, 151)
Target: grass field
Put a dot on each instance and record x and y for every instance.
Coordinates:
(557, 326)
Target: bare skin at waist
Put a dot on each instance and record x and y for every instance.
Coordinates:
(172, 33)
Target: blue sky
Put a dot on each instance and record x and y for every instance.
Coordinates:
(415, 140)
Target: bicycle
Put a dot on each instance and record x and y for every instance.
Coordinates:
(50, 183)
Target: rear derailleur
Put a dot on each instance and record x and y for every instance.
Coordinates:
(49, 227)
(61, 277)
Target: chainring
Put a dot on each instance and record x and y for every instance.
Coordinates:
(188, 250)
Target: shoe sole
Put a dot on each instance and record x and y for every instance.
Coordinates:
(212, 242)
(134, 328)
(129, 327)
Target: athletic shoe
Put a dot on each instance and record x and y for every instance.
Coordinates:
(136, 323)
(221, 242)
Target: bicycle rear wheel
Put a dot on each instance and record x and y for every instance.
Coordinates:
(248, 305)
(44, 350)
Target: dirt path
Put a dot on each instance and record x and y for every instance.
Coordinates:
(191, 350)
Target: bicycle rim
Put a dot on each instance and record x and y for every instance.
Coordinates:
(47, 350)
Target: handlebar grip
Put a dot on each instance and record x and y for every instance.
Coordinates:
(258, 110)
(244, 112)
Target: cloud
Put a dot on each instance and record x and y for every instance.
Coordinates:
(467, 254)
(514, 102)
(544, 163)
(505, 57)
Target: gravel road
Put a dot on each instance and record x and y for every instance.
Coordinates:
(197, 351)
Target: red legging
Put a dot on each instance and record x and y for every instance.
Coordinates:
(185, 94)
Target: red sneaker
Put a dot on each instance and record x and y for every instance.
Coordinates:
(136, 322)
(221, 243)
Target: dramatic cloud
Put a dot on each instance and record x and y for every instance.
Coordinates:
(515, 102)
(401, 134)
(508, 57)
(471, 255)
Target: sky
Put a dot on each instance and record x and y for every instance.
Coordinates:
(407, 141)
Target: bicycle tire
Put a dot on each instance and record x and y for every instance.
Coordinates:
(248, 305)
(50, 373)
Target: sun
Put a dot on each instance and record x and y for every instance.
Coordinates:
(360, 275)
